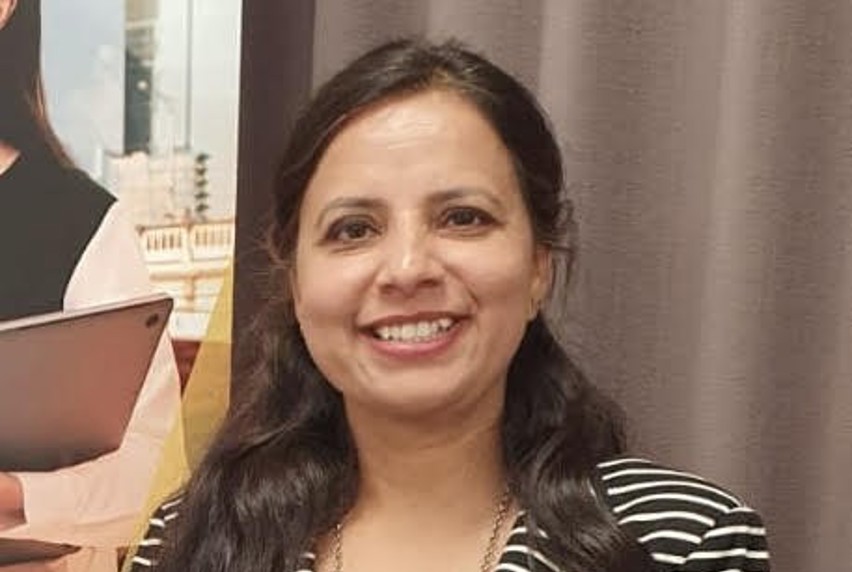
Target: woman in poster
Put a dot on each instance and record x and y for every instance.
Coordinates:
(65, 244)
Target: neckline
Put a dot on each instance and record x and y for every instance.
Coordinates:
(518, 529)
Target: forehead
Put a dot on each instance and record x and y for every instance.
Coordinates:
(426, 138)
(430, 113)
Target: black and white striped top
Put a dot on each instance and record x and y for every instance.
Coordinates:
(685, 523)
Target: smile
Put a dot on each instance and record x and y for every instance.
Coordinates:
(414, 332)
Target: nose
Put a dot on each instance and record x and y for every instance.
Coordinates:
(409, 261)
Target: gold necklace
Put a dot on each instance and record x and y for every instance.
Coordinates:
(503, 505)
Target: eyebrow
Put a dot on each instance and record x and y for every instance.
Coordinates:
(348, 203)
(463, 192)
(366, 203)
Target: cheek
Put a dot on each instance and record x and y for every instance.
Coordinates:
(500, 286)
(500, 281)
(326, 306)
(328, 293)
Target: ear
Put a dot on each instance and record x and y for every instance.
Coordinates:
(7, 8)
(542, 278)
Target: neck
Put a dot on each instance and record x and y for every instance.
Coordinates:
(425, 485)
(8, 155)
(441, 468)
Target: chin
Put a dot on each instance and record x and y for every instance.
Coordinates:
(425, 404)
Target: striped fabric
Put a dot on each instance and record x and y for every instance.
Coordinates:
(686, 524)
(150, 546)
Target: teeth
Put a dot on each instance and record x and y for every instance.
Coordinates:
(415, 331)
(408, 331)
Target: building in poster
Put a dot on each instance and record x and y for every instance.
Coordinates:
(188, 260)
(146, 102)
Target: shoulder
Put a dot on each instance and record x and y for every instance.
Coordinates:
(681, 518)
(40, 189)
(87, 190)
(82, 202)
(161, 526)
(68, 203)
(56, 212)
(63, 186)
(151, 545)
(80, 196)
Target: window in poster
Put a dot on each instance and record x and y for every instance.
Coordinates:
(144, 95)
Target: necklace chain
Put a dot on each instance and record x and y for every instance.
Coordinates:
(493, 541)
(503, 506)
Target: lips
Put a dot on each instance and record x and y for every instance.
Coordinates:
(417, 338)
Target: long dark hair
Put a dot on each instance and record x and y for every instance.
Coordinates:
(23, 116)
(283, 468)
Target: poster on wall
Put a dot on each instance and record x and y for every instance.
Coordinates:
(144, 96)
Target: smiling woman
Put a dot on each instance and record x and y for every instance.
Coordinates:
(413, 410)
(420, 218)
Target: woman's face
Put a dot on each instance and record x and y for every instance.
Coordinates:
(416, 271)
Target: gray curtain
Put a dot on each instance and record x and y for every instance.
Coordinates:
(709, 149)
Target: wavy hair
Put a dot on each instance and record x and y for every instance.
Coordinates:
(23, 116)
(283, 468)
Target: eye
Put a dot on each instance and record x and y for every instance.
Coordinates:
(351, 229)
(466, 217)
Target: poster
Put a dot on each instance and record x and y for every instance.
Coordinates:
(144, 96)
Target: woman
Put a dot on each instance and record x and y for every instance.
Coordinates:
(64, 244)
(413, 410)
